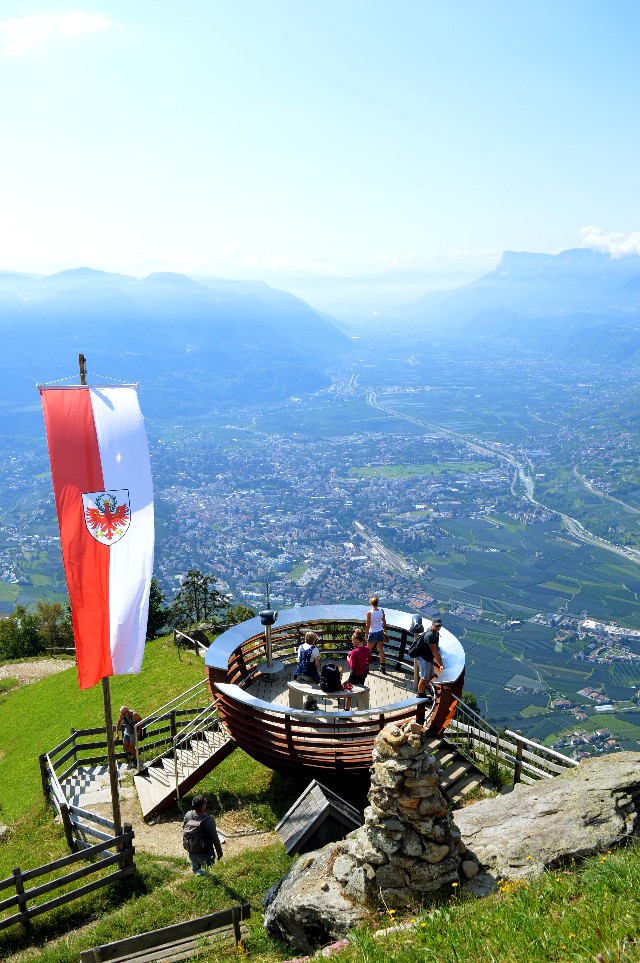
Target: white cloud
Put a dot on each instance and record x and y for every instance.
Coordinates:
(23, 35)
(614, 243)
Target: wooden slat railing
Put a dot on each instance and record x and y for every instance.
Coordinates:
(23, 897)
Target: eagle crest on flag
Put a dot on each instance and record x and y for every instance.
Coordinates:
(107, 515)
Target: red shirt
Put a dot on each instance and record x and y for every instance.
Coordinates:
(359, 659)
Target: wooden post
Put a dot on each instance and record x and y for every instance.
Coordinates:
(44, 776)
(75, 747)
(128, 859)
(113, 773)
(235, 911)
(517, 772)
(172, 724)
(106, 694)
(22, 899)
(68, 828)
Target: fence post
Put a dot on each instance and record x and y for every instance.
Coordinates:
(127, 859)
(497, 753)
(517, 772)
(22, 899)
(235, 916)
(68, 828)
(75, 748)
(172, 724)
(44, 776)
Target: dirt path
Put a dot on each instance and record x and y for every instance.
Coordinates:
(163, 836)
(27, 672)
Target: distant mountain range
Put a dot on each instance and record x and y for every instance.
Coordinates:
(194, 344)
(579, 303)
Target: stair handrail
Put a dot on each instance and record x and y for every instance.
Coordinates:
(469, 717)
(196, 725)
(163, 712)
(174, 703)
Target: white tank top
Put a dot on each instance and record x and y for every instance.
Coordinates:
(375, 625)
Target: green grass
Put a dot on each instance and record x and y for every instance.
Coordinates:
(41, 715)
(9, 591)
(569, 914)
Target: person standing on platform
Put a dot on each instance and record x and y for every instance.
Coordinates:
(376, 628)
(359, 659)
(429, 655)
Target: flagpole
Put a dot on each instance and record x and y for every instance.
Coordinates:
(106, 694)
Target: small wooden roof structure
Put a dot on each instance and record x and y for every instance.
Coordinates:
(316, 818)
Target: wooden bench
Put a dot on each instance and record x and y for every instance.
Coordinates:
(178, 942)
(298, 690)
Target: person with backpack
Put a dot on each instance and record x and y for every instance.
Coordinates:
(376, 628)
(200, 836)
(428, 654)
(308, 667)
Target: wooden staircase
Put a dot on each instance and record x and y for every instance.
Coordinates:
(156, 785)
(459, 775)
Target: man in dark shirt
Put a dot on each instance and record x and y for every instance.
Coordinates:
(200, 861)
(429, 652)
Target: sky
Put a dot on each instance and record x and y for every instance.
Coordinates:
(355, 152)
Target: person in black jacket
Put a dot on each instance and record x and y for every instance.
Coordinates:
(200, 861)
(429, 653)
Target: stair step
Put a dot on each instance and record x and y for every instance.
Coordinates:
(156, 786)
(465, 786)
(445, 757)
(455, 772)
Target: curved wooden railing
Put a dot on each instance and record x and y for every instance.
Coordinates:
(288, 740)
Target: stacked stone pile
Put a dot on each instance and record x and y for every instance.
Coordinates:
(408, 846)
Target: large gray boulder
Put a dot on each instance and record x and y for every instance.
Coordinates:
(408, 846)
(586, 810)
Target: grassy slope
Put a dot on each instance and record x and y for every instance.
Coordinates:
(566, 915)
(37, 717)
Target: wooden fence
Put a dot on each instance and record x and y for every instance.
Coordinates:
(177, 942)
(123, 858)
(525, 760)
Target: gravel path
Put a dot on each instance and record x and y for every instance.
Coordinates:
(27, 672)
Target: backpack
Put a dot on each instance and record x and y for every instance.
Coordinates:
(330, 678)
(193, 837)
(305, 665)
(416, 648)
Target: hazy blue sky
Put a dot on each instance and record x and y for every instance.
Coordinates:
(399, 144)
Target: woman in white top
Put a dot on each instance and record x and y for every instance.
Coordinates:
(376, 627)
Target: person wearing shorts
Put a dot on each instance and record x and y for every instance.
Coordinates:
(376, 629)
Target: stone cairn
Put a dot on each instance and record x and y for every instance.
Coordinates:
(408, 846)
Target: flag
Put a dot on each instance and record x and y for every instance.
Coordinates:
(104, 500)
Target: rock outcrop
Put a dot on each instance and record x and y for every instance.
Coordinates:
(586, 810)
(408, 846)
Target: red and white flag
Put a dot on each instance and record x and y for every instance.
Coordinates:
(104, 499)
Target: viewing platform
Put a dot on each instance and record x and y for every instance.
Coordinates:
(257, 708)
